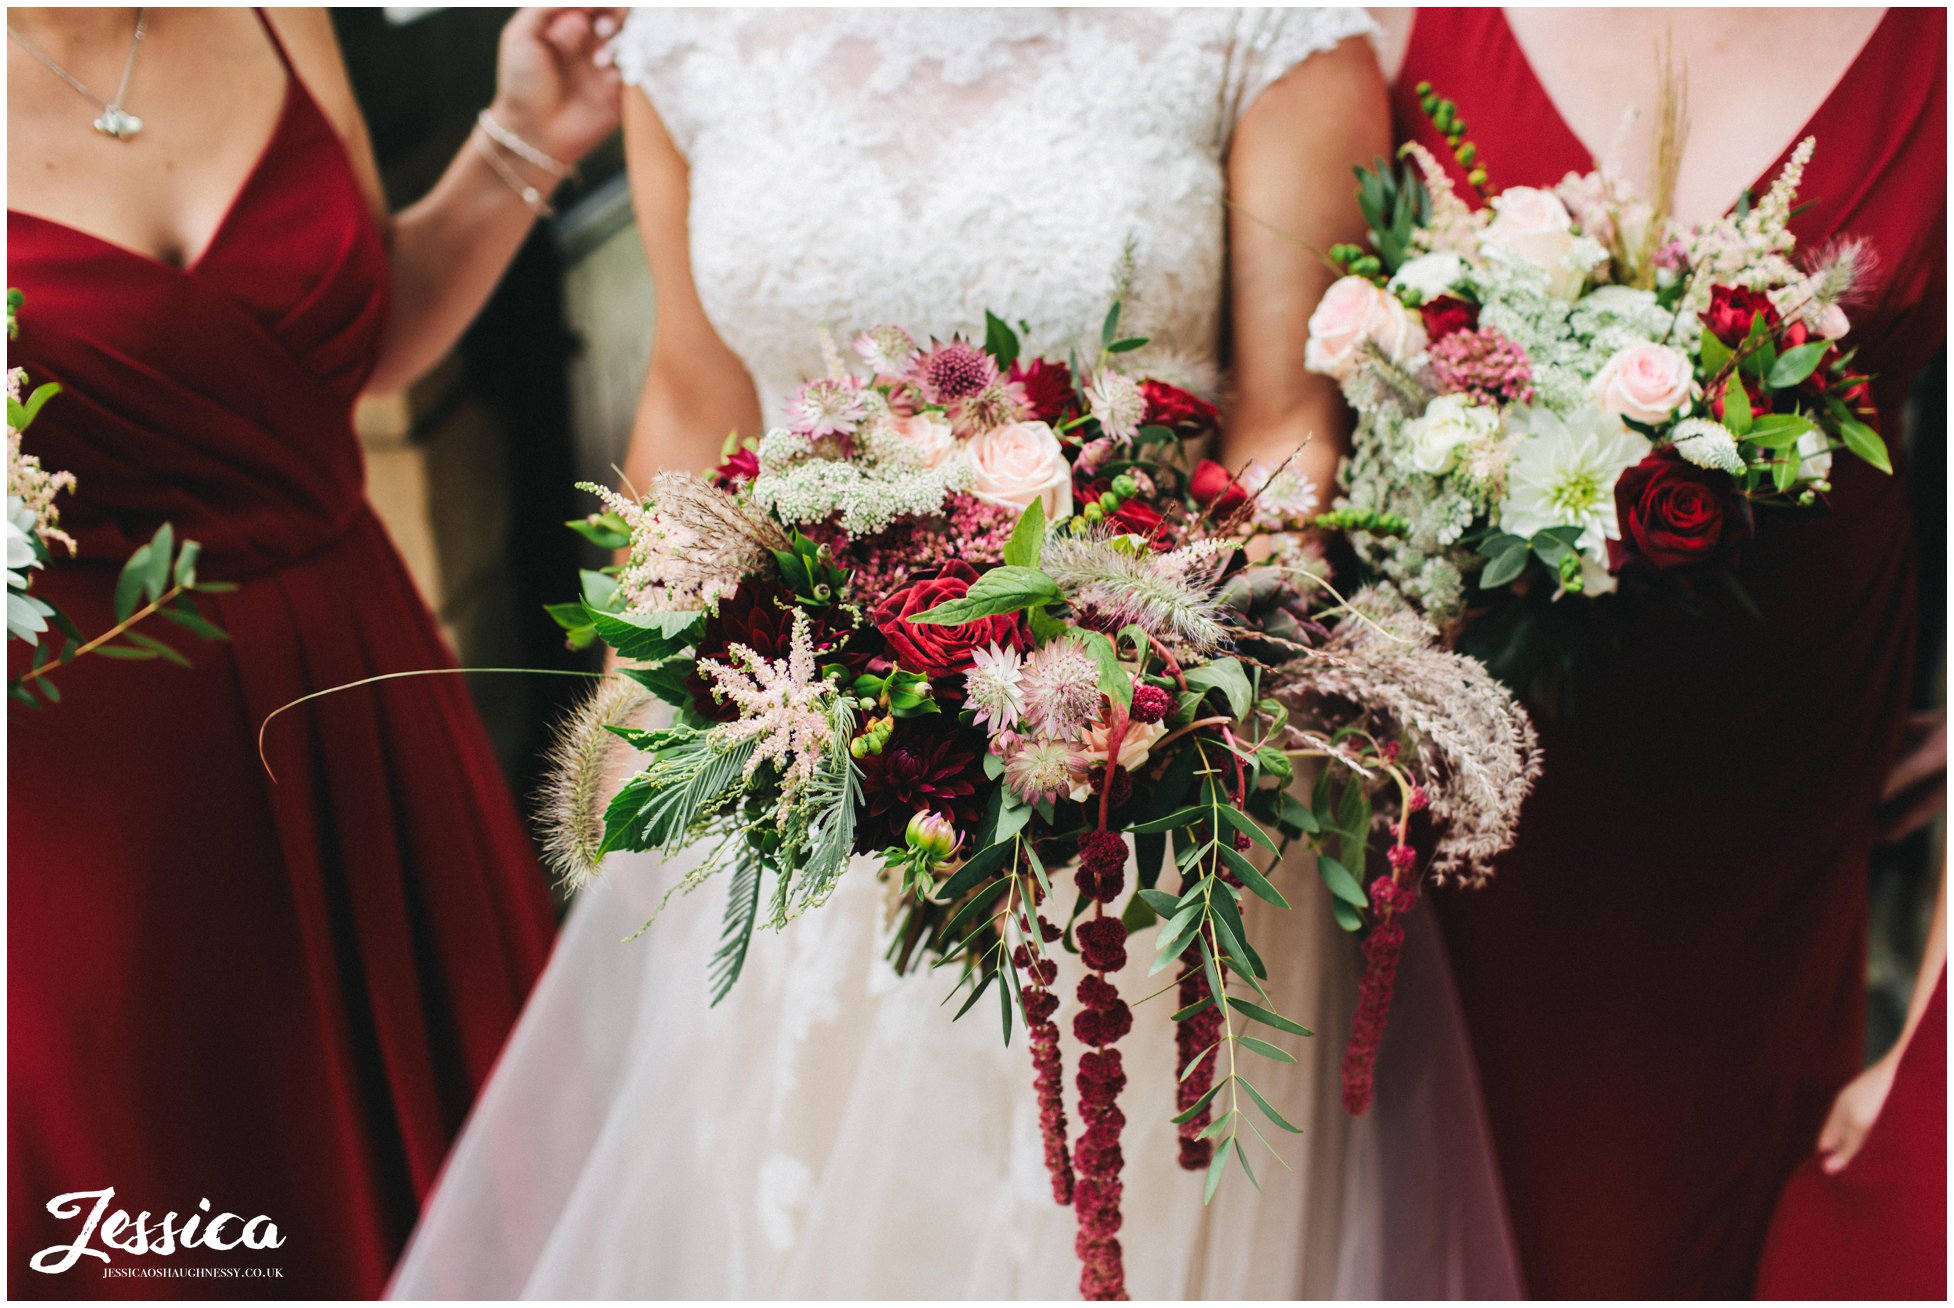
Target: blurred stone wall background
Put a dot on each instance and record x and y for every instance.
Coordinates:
(473, 470)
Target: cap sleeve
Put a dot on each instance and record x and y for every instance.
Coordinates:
(1268, 43)
(658, 51)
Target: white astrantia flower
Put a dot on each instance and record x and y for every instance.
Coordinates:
(1430, 275)
(1563, 474)
(26, 616)
(1708, 444)
(993, 687)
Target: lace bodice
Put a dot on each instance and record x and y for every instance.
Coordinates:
(921, 166)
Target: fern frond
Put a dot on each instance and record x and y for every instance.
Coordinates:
(742, 911)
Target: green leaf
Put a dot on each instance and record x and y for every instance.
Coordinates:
(128, 585)
(976, 868)
(1341, 882)
(1000, 342)
(1794, 365)
(1247, 825)
(647, 636)
(1784, 471)
(183, 615)
(571, 615)
(1266, 1049)
(1215, 1169)
(1736, 406)
(1551, 548)
(600, 590)
(1044, 627)
(736, 932)
(156, 567)
(124, 652)
(1160, 901)
(1227, 676)
(1267, 1110)
(1777, 431)
(1297, 814)
(21, 415)
(1180, 817)
(1109, 331)
(1508, 564)
(1267, 1018)
(1347, 917)
(1027, 544)
(186, 564)
(1130, 343)
(1252, 876)
(1001, 590)
(1714, 354)
(1199, 1005)
(1866, 443)
(1193, 1110)
(1113, 678)
(1241, 1156)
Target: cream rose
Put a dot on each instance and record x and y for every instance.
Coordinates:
(1533, 225)
(1644, 382)
(1355, 312)
(1016, 464)
(929, 435)
(1448, 423)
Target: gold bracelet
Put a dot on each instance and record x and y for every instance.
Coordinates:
(538, 204)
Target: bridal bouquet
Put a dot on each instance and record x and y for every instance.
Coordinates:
(987, 619)
(160, 572)
(1562, 391)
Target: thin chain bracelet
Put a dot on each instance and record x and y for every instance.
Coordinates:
(528, 194)
(522, 149)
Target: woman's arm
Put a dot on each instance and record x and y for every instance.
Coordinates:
(1292, 197)
(697, 391)
(449, 249)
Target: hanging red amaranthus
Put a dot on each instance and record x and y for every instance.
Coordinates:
(1390, 900)
(1195, 1037)
(1049, 1078)
(1104, 1018)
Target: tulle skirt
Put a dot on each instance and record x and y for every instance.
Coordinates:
(828, 1132)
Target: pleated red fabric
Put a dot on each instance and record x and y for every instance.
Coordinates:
(1665, 980)
(1878, 1229)
(277, 997)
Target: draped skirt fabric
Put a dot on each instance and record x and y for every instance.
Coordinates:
(828, 1132)
(279, 996)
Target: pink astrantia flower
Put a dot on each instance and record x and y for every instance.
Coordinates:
(1041, 770)
(887, 350)
(991, 687)
(1119, 404)
(953, 371)
(827, 406)
(1060, 689)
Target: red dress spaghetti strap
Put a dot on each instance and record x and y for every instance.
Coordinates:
(280, 998)
(1878, 1229)
(1664, 982)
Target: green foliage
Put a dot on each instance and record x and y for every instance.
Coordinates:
(1004, 589)
(693, 774)
(1394, 203)
(810, 571)
(742, 911)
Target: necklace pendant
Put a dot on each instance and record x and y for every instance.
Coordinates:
(117, 122)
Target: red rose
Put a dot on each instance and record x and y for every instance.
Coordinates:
(1214, 490)
(1447, 314)
(1733, 309)
(935, 650)
(1170, 406)
(1674, 513)
(1047, 387)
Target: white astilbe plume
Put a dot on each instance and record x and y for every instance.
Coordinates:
(783, 706)
(586, 764)
(1476, 751)
(1454, 226)
(1169, 596)
(691, 543)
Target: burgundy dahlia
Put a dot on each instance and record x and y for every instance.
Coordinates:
(929, 762)
(1048, 389)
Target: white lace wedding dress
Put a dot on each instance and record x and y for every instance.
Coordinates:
(828, 1131)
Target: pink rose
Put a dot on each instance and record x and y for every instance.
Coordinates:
(1355, 312)
(1645, 382)
(1533, 226)
(1018, 463)
(929, 435)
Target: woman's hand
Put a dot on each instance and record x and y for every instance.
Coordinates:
(1916, 788)
(1853, 1114)
(555, 85)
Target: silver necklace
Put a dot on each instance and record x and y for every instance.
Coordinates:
(114, 120)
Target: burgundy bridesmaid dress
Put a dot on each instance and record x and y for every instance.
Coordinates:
(1878, 1229)
(1665, 981)
(277, 997)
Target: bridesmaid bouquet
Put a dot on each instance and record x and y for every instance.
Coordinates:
(160, 572)
(1564, 390)
(988, 619)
